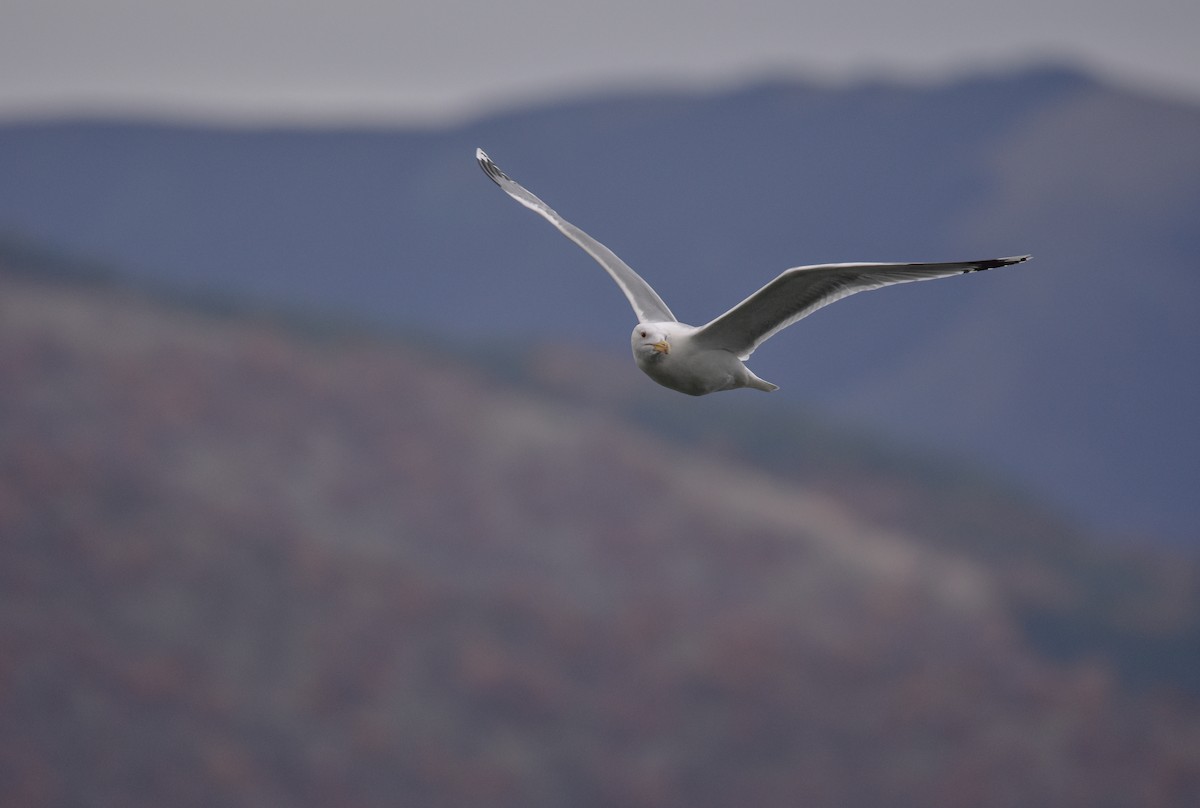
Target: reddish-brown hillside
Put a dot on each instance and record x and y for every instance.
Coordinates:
(243, 564)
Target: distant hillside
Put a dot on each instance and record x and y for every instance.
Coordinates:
(1069, 372)
(249, 561)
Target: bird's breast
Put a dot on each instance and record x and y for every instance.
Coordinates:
(694, 373)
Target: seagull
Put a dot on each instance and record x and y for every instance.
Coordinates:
(698, 360)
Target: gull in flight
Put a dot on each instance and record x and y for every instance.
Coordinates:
(706, 359)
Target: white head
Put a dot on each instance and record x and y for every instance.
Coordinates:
(650, 343)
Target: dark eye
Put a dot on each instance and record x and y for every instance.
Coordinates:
(643, 333)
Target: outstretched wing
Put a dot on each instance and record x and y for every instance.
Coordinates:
(646, 303)
(799, 292)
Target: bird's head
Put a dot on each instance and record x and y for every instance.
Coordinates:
(650, 344)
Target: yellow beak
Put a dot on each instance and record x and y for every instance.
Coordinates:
(662, 347)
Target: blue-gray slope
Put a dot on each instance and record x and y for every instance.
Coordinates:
(1074, 371)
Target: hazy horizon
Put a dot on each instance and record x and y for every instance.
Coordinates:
(358, 60)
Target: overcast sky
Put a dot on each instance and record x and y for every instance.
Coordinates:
(396, 60)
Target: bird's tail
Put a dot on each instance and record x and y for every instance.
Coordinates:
(760, 384)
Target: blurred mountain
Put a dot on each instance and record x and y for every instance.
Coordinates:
(249, 558)
(1069, 373)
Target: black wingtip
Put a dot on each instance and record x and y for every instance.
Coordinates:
(992, 263)
(489, 168)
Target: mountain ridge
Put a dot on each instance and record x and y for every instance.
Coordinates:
(709, 195)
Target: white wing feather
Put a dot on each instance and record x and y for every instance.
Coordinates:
(799, 292)
(647, 305)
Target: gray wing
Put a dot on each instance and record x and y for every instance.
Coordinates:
(646, 303)
(799, 292)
